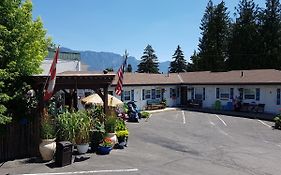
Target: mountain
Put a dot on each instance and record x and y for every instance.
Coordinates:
(98, 61)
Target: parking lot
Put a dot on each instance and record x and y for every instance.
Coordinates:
(181, 142)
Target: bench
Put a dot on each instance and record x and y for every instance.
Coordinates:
(154, 104)
(194, 103)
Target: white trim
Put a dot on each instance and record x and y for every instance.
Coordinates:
(87, 172)
(221, 120)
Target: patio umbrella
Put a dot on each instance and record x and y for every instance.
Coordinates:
(96, 99)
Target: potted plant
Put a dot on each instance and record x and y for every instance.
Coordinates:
(105, 147)
(83, 128)
(109, 125)
(122, 132)
(277, 121)
(67, 125)
(48, 135)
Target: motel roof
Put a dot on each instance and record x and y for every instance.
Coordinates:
(260, 76)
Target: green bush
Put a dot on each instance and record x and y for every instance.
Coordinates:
(145, 114)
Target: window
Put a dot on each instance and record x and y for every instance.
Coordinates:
(224, 93)
(199, 93)
(133, 94)
(127, 96)
(217, 93)
(231, 93)
(257, 94)
(147, 94)
(249, 94)
(153, 93)
(158, 93)
(172, 93)
(278, 97)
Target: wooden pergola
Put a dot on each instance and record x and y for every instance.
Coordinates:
(74, 80)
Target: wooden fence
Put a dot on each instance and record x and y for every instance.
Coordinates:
(20, 140)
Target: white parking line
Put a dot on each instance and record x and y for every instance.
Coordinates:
(221, 120)
(264, 123)
(279, 145)
(183, 117)
(87, 172)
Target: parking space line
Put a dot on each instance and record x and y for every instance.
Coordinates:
(265, 124)
(183, 117)
(87, 172)
(221, 120)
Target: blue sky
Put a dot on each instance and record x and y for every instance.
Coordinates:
(116, 25)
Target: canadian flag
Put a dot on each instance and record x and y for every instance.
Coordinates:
(52, 79)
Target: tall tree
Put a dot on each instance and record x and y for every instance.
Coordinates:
(271, 35)
(195, 64)
(149, 62)
(245, 39)
(23, 46)
(179, 63)
(215, 34)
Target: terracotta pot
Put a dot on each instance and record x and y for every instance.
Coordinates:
(47, 149)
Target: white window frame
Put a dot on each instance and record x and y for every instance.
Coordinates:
(127, 95)
(158, 93)
(147, 94)
(249, 91)
(224, 93)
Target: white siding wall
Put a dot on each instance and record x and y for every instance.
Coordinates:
(138, 95)
(268, 95)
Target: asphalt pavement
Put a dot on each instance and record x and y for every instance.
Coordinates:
(180, 142)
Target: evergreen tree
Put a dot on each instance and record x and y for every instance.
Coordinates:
(129, 68)
(149, 62)
(23, 46)
(215, 34)
(195, 64)
(271, 35)
(244, 45)
(179, 64)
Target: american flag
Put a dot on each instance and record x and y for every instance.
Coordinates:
(118, 89)
(52, 79)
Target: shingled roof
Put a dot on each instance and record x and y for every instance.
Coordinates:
(137, 79)
(260, 76)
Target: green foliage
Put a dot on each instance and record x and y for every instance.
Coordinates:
(245, 45)
(122, 133)
(120, 125)
(214, 41)
(277, 121)
(109, 124)
(48, 128)
(271, 35)
(145, 114)
(75, 126)
(179, 64)
(23, 46)
(149, 62)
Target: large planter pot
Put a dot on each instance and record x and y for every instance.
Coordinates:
(112, 137)
(82, 148)
(47, 149)
(103, 150)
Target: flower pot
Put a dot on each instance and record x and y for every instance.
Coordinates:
(103, 150)
(123, 140)
(82, 148)
(112, 137)
(47, 149)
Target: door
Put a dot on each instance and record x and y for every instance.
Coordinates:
(183, 95)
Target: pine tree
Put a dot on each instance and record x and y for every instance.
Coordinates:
(179, 64)
(149, 62)
(244, 45)
(129, 68)
(271, 35)
(215, 34)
